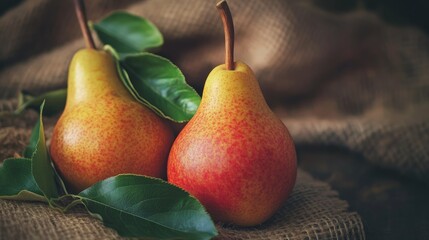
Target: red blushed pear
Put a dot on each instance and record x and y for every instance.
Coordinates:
(103, 131)
(235, 155)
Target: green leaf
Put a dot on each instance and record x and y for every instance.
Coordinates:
(42, 169)
(128, 33)
(139, 206)
(16, 181)
(155, 80)
(55, 101)
(31, 147)
(162, 88)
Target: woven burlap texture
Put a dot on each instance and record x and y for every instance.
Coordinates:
(348, 80)
(313, 211)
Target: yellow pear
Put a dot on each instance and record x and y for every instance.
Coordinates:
(103, 131)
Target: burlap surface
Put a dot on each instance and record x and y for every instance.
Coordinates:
(312, 212)
(348, 80)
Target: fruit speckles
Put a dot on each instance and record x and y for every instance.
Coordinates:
(123, 150)
(103, 131)
(234, 155)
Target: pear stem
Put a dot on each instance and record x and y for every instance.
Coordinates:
(79, 7)
(228, 28)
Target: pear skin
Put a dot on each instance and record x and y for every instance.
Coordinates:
(103, 131)
(235, 155)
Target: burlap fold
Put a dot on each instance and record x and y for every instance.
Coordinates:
(349, 80)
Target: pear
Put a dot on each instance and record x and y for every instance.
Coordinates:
(103, 131)
(234, 155)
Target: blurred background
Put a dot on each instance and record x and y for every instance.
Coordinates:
(349, 78)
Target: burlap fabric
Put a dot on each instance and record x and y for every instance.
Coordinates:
(313, 211)
(348, 80)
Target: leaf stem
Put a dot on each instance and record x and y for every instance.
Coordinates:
(228, 28)
(79, 7)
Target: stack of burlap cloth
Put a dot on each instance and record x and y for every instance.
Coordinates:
(347, 80)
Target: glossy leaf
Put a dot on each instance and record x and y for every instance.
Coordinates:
(41, 167)
(163, 88)
(128, 33)
(155, 80)
(17, 182)
(34, 138)
(139, 206)
(55, 101)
